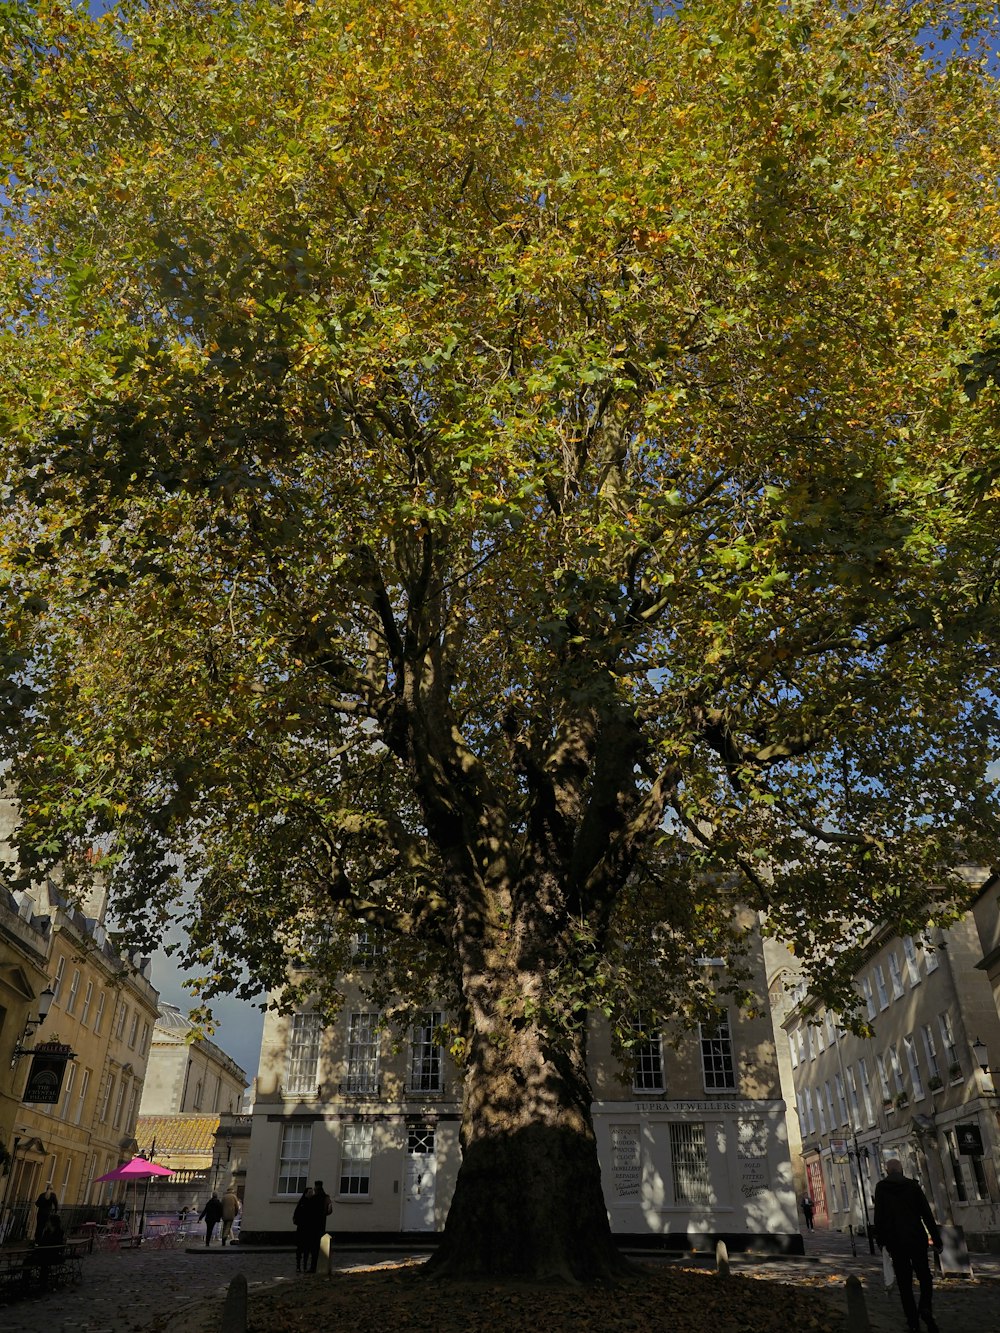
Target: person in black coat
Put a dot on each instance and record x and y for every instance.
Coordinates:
(903, 1225)
(301, 1218)
(313, 1212)
(211, 1214)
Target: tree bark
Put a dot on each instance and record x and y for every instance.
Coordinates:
(528, 1201)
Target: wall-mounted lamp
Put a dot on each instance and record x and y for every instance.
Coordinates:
(981, 1055)
(33, 1024)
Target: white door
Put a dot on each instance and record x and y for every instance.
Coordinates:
(418, 1190)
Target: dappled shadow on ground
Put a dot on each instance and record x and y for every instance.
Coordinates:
(402, 1300)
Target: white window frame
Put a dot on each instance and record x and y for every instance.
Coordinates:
(362, 1070)
(718, 1059)
(120, 1019)
(913, 1064)
(880, 987)
(88, 996)
(869, 994)
(99, 1016)
(948, 1042)
(647, 1056)
(838, 1084)
(930, 1050)
(294, 1156)
(304, 1038)
(912, 965)
(123, 1083)
(57, 980)
(357, 1149)
(896, 1068)
(74, 992)
(866, 1090)
(81, 1097)
(133, 1031)
(109, 1092)
(69, 1079)
(821, 1110)
(852, 1093)
(426, 1055)
(896, 977)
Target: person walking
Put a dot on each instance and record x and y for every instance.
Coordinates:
(903, 1224)
(210, 1215)
(45, 1205)
(317, 1210)
(230, 1212)
(808, 1208)
(301, 1219)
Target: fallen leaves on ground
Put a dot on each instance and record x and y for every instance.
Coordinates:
(403, 1300)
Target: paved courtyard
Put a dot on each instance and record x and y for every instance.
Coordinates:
(181, 1291)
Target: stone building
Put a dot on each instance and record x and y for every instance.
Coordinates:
(915, 1090)
(101, 1018)
(191, 1086)
(691, 1141)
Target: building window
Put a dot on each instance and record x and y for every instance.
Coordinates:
(949, 1051)
(88, 995)
(910, 1049)
(866, 990)
(74, 991)
(81, 1097)
(810, 1116)
(120, 1024)
(910, 954)
(930, 1050)
(802, 1046)
(897, 1070)
(883, 1079)
(133, 1031)
(120, 1103)
(793, 1050)
(108, 1094)
(647, 1056)
(57, 980)
(818, 1037)
(841, 1099)
(829, 1105)
(133, 1107)
(852, 1092)
(717, 1056)
(895, 977)
(866, 1091)
(293, 1158)
(303, 1053)
(821, 1109)
(931, 960)
(956, 1166)
(356, 1160)
(67, 1172)
(831, 1028)
(68, 1081)
(425, 1054)
(362, 1053)
(99, 1016)
(810, 1042)
(689, 1156)
(145, 1039)
(367, 947)
(883, 994)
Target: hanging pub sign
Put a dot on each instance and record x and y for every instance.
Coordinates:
(48, 1065)
(970, 1140)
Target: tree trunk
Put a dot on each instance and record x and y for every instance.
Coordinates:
(528, 1201)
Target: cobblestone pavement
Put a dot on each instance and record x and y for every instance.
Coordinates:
(961, 1304)
(178, 1291)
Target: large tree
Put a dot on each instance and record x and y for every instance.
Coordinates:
(506, 475)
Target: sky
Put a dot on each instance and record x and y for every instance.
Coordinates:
(239, 1023)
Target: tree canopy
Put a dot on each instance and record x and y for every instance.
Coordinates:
(520, 478)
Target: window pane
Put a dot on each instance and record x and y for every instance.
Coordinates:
(362, 1053)
(425, 1055)
(689, 1155)
(717, 1056)
(356, 1159)
(293, 1162)
(647, 1057)
(303, 1053)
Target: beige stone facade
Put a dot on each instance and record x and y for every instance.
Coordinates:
(691, 1139)
(912, 1091)
(103, 1011)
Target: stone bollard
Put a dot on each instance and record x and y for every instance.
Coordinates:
(721, 1258)
(326, 1250)
(234, 1312)
(857, 1311)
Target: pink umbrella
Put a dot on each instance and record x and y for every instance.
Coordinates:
(139, 1168)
